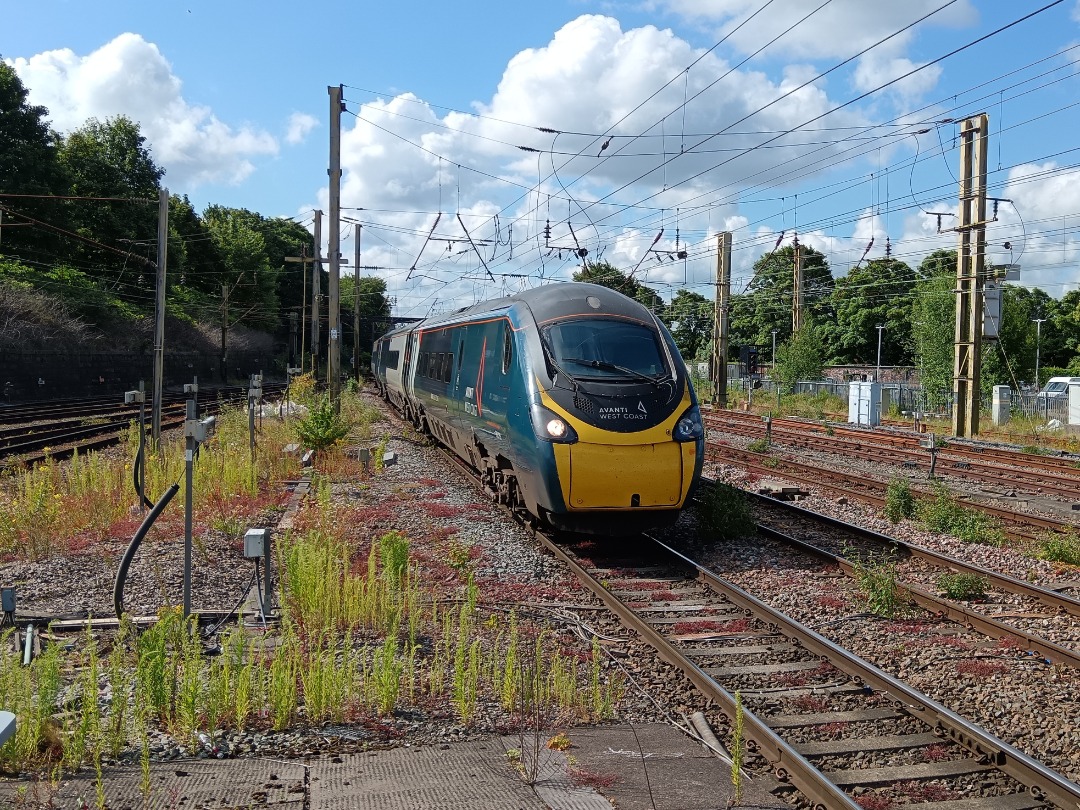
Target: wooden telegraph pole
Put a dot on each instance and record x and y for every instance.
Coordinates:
(967, 366)
(720, 318)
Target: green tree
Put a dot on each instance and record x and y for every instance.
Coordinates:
(607, 275)
(879, 293)
(28, 165)
(801, 357)
(374, 311)
(247, 279)
(118, 228)
(767, 303)
(933, 313)
(689, 316)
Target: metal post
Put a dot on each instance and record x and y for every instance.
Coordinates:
(159, 306)
(1038, 340)
(877, 376)
(333, 357)
(190, 444)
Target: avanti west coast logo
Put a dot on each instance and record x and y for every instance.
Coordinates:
(622, 412)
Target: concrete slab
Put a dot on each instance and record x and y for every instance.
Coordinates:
(651, 767)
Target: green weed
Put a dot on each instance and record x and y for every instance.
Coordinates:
(725, 513)
(962, 586)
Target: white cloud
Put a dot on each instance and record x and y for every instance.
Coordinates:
(129, 76)
(591, 80)
(300, 124)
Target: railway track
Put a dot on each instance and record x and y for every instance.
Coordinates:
(1056, 476)
(1022, 526)
(1010, 608)
(30, 435)
(826, 722)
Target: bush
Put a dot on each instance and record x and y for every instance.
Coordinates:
(944, 514)
(899, 502)
(962, 586)
(758, 446)
(876, 578)
(1061, 548)
(323, 427)
(725, 513)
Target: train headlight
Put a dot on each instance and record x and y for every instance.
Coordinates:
(550, 426)
(688, 428)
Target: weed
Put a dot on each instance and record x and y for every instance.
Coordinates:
(944, 514)
(323, 427)
(980, 668)
(772, 462)
(585, 777)
(758, 446)
(899, 502)
(962, 586)
(725, 513)
(560, 742)
(1061, 547)
(876, 578)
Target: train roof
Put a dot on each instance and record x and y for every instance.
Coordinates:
(551, 301)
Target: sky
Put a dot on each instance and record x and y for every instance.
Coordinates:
(485, 146)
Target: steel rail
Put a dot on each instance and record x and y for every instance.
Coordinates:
(1041, 781)
(808, 779)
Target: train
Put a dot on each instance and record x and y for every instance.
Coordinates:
(570, 400)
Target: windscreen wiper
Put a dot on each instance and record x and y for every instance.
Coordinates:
(611, 367)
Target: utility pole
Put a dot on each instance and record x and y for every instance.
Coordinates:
(316, 284)
(720, 318)
(877, 377)
(304, 260)
(357, 227)
(1038, 339)
(224, 332)
(971, 253)
(797, 290)
(159, 306)
(333, 356)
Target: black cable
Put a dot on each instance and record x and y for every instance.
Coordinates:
(133, 546)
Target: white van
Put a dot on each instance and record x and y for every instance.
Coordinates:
(1056, 388)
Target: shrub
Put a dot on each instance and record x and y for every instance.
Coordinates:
(1062, 548)
(962, 586)
(323, 427)
(876, 578)
(944, 514)
(899, 502)
(725, 513)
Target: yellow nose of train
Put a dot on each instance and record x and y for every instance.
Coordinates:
(607, 469)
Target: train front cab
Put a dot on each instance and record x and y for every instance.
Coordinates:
(635, 477)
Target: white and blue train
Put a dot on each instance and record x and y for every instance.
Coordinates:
(571, 400)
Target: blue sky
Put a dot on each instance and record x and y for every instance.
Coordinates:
(232, 97)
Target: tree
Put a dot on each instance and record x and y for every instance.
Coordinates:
(118, 228)
(607, 275)
(767, 303)
(801, 357)
(878, 293)
(247, 279)
(28, 165)
(689, 316)
(933, 313)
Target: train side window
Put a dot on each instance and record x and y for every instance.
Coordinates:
(448, 369)
(392, 359)
(508, 348)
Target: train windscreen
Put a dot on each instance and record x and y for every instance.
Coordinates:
(606, 349)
